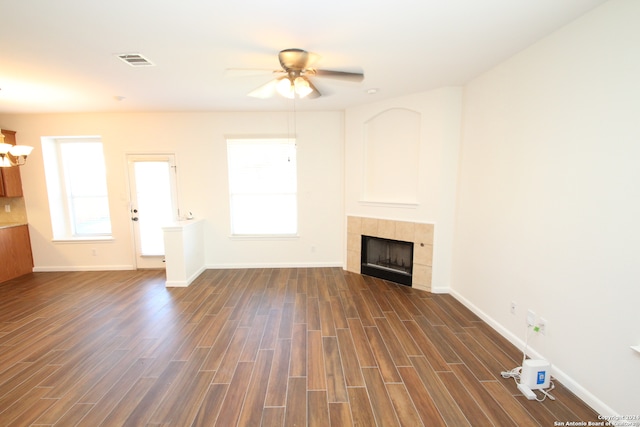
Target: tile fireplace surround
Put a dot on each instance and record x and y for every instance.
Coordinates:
(419, 233)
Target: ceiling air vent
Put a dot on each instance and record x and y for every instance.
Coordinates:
(135, 60)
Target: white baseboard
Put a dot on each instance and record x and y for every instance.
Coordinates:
(575, 387)
(54, 268)
(275, 265)
(186, 282)
(177, 284)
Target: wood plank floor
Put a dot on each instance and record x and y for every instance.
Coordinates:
(271, 347)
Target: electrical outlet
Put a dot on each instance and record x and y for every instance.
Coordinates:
(542, 326)
(531, 318)
(512, 308)
(7, 208)
(94, 252)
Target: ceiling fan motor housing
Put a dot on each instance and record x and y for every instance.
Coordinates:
(294, 60)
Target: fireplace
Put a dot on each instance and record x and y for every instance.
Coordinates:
(419, 233)
(387, 259)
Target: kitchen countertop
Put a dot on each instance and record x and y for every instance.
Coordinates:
(11, 224)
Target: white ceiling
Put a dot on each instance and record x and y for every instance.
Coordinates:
(60, 56)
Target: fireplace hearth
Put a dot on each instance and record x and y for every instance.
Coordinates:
(387, 259)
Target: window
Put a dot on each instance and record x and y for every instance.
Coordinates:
(263, 186)
(77, 188)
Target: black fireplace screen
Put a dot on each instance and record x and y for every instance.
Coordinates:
(387, 259)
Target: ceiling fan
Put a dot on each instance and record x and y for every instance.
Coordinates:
(294, 79)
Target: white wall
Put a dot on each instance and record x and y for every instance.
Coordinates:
(549, 201)
(198, 140)
(437, 170)
(547, 205)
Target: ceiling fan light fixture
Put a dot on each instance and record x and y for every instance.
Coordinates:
(302, 87)
(285, 88)
(289, 87)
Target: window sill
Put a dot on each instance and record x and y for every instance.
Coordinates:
(84, 239)
(407, 205)
(264, 237)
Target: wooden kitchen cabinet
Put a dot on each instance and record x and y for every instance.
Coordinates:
(10, 181)
(15, 252)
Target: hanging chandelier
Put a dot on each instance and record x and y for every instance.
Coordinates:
(13, 155)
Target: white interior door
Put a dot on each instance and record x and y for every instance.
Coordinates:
(153, 204)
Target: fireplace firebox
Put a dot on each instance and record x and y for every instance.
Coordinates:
(387, 259)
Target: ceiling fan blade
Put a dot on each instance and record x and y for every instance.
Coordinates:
(315, 92)
(265, 91)
(343, 75)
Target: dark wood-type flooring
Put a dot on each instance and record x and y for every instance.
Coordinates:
(271, 347)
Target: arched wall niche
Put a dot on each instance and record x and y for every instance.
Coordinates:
(391, 156)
